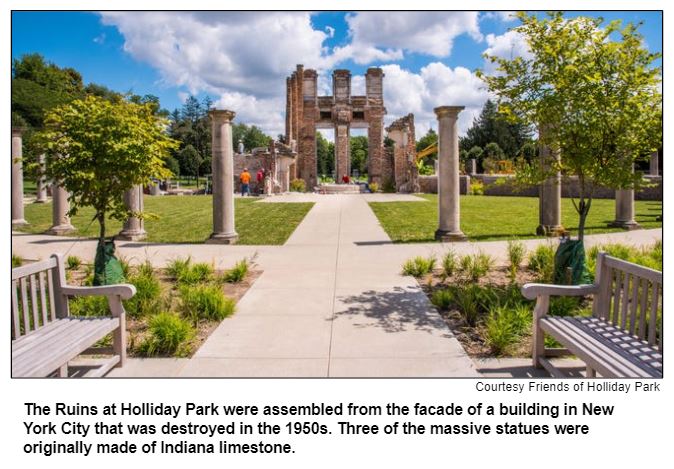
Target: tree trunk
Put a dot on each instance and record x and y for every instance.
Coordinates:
(101, 222)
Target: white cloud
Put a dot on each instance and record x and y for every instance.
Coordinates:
(503, 16)
(507, 46)
(435, 85)
(266, 113)
(383, 36)
(330, 31)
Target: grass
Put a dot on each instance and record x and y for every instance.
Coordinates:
(419, 266)
(498, 218)
(188, 219)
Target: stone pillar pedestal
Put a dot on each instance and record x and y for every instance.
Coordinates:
(654, 167)
(448, 175)
(223, 178)
(17, 178)
(154, 189)
(624, 210)
(41, 182)
(549, 198)
(134, 227)
(60, 220)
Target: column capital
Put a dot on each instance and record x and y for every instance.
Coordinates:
(18, 131)
(448, 111)
(221, 115)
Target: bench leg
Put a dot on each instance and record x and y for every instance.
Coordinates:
(538, 336)
(590, 373)
(63, 371)
(119, 334)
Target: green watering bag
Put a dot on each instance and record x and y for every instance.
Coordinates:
(570, 266)
(107, 268)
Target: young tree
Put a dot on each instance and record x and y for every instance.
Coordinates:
(359, 153)
(98, 150)
(592, 91)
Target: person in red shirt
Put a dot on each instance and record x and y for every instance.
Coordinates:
(259, 177)
(345, 179)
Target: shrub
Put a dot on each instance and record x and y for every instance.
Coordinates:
(146, 269)
(477, 188)
(197, 273)
(419, 266)
(124, 263)
(469, 301)
(177, 266)
(374, 187)
(73, 263)
(167, 334)
(147, 299)
(443, 299)
(564, 305)
(650, 256)
(205, 302)
(449, 263)
(542, 262)
(516, 251)
(505, 326)
(298, 185)
(474, 267)
(388, 187)
(17, 261)
(237, 273)
(89, 306)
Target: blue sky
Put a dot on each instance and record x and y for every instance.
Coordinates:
(241, 59)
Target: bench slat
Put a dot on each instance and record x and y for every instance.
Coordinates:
(16, 320)
(654, 276)
(33, 301)
(24, 306)
(633, 304)
(625, 300)
(654, 315)
(613, 353)
(52, 332)
(643, 308)
(616, 295)
(28, 269)
(43, 297)
(44, 360)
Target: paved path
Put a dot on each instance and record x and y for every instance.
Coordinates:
(331, 301)
(330, 309)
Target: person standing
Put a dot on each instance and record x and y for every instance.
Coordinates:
(259, 177)
(245, 182)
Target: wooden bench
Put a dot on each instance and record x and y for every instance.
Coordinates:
(622, 338)
(45, 337)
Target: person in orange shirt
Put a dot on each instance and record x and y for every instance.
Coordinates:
(245, 182)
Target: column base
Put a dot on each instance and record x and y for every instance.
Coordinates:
(223, 238)
(450, 236)
(550, 230)
(19, 222)
(625, 225)
(139, 235)
(60, 230)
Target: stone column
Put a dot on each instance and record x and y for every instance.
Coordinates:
(342, 156)
(223, 178)
(624, 210)
(654, 169)
(60, 220)
(448, 175)
(134, 227)
(549, 198)
(41, 182)
(17, 178)
(471, 166)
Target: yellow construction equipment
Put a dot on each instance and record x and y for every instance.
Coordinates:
(432, 148)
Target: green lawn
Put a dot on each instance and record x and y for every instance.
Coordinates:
(188, 219)
(491, 218)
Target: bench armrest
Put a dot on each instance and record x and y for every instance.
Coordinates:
(124, 291)
(533, 290)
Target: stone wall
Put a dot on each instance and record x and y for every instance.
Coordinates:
(253, 162)
(500, 185)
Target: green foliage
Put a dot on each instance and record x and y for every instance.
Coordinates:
(205, 302)
(168, 334)
(564, 305)
(647, 256)
(593, 90)
(542, 262)
(98, 140)
(388, 187)
(325, 155)
(176, 267)
(516, 253)
(147, 300)
(189, 160)
(477, 187)
(449, 263)
(443, 299)
(237, 273)
(374, 187)
(424, 169)
(469, 299)
(359, 152)
(298, 185)
(475, 153)
(474, 267)
(73, 263)
(187, 273)
(419, 266)
(505, 326)
(493, 150)
(424, 142)
(89, 306)
(17, 261)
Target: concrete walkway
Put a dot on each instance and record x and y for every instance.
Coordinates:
(332, 309)
(330, 302)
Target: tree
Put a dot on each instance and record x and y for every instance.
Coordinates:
(490, 126)
(592, 91)
(98, 150)
(190, 161)
(358, 147)
(255, 138)
(325, 158)
(475, 153)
